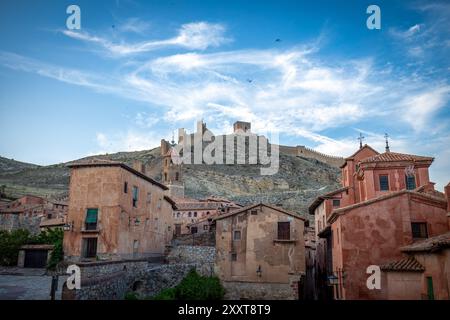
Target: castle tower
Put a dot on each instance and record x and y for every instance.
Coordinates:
(171, 172)
(241, 126)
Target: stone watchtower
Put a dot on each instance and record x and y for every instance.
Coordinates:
(171, 172)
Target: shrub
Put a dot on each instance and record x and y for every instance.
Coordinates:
(194, 287)
(131, 296)
(10, 243)
(166, 294)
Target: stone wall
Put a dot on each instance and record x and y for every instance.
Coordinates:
(203, 256)
(303, 151)
(14, 221)
(112, 280)
(196, 239)
(259, 291)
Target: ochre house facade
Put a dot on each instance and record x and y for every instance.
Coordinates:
(260, 252)
(115, 212)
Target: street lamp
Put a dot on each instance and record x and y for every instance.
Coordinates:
(259, 271)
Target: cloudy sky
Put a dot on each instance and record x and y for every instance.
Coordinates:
(310, 71)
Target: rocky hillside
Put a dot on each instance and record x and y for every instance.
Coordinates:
(298, 181)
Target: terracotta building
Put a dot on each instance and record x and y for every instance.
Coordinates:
(115, 212)
(387, 202)
(29, 212)
(260, 252)
(195, 216)
(424, 272)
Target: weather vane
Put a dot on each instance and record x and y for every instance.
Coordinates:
(386, 136)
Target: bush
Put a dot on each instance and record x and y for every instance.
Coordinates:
(10, 243)
(194, 287)
(131, 296)
(166, 294)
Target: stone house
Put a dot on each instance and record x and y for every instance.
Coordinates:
(387, 202)
(115, 212)
(191, 215)
(28, 212)
(260, 252)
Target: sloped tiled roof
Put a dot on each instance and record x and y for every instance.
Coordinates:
(279, 209)
(431, 244)
(394, 156)
(53, 222)
(407, 264)
(321, 198)
(366, 146)
(96, 162)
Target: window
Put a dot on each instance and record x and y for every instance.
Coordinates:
(149, 197)
(233, 257)
(135, 196)
(125, 187)
(237, 235)
(193, 230)
(195, 214)
(49, 216)
(165, 176)
(135, 246)
(177, 176)
(336, 203)
(178, 214)
(410, 182)
(205, 227)
(284, 230)
(89, 247)
(430, 290)
(253, 212)
(384, 182)
(419, 230)
(189, 214)
(91, 219)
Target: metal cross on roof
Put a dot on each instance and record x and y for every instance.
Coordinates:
(360, 138)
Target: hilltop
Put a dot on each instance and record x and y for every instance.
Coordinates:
(297, 183)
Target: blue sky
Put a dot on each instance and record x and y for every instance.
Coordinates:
(136, 71)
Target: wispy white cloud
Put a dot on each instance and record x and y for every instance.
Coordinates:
(290, 91)
(134, 25)
(195, 35)
(420, 108)
(130, 140)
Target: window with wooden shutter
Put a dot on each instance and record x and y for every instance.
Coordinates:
(91, 219)
(284, 231)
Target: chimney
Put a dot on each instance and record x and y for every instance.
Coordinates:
(447, 196)
(138, 166)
